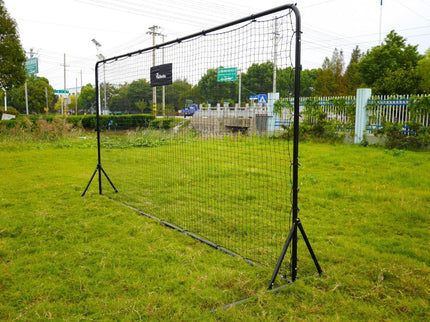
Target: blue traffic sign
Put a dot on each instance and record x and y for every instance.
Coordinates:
(262, 99)
(253, 97)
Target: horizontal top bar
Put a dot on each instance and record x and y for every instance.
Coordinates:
(204, 32)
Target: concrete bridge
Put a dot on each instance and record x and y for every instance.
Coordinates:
(220, 120)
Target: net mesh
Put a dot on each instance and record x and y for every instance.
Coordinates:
(222, 174)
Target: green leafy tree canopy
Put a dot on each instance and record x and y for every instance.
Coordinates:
(12, 55)
(391, 67)
(37, 88)
(87, 98)
(424, 72)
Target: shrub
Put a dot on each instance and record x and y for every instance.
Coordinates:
(163, 123)
(75, 119)
(398, 138)
(7, 124)
(117, 122)
(10, 110)
(29, 128)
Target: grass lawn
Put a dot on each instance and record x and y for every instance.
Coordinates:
(63, 256)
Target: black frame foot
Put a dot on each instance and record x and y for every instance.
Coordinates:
(100, 170)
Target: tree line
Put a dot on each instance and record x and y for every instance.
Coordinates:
(394, 67)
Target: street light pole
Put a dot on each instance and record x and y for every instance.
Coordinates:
(98, 45)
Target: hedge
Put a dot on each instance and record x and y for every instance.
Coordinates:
(116, 122)
(163, 123)
(10, 124)
(107, 122)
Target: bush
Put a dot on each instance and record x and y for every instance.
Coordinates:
(7, 125)
(45, 128)
(10, 110)
(74, 119)
(161, 124)
(321, 129)
(398, 138)
(117, 122)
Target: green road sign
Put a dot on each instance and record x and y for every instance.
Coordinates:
(227, 74)
(31, 66)
(61, 92)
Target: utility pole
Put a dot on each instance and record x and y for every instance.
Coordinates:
(47, 102)
(5, 99)
(63, 101)
(25, 86)
(240, 85)
(275, 54)
(76, 98)
(380, 24)
(26, 98)
(64, 71)
(154, 32)
(164, 87)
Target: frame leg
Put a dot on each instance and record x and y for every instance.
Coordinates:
(92, 177)
(308, 244)
(107, 177)
(293, 231)
(281, 258)
(99, 169)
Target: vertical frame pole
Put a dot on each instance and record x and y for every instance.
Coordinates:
(295, 188)
(99, 161)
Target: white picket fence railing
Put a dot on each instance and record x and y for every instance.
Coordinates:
(383, 108)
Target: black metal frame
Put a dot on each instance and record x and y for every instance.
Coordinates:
(292, 237)
(296, 223)
(99, 167)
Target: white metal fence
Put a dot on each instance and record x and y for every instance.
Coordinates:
(394, 109)
(380, 108)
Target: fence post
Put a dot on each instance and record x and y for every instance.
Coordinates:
(271, 117)
(363, 95)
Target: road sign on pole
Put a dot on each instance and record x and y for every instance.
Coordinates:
(262, 99)
(61, 92)
(227, 74)
(31, 66)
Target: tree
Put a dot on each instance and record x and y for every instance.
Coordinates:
(108, 89)
(119, 101)
(215, 92)
(307, 80)
(285, 81)
(382, 66)
(424, 72)
(192, 94)
(140, 92)
(174, 93)
(12, 56)
(352, 74)
(330, 80)
(259, 78)
(87, 98)
(36, 94)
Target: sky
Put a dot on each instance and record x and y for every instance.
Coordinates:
(53, 28)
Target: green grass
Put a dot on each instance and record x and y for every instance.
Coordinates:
(230, 191)
(62, 256)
